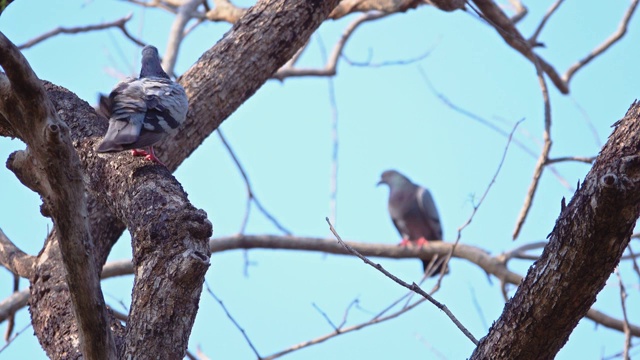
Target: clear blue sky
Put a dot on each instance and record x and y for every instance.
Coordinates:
(388, 118)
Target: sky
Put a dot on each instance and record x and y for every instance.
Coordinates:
(388, 117)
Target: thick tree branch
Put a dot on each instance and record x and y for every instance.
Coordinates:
(49, 148)
(14, 259)
(585, 246)
(222, 80)
(493, 265)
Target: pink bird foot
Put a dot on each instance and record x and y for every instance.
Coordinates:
(138, 152)
(150, 155)
(404, 242)
(421, 241)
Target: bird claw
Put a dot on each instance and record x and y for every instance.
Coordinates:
(150, 156)
(404, 242)
(153, 158)
(136, 152)
(421, 241)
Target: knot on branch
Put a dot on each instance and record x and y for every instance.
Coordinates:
(609, 180)
(192, 266)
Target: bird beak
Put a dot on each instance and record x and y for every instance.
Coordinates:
(380, 183)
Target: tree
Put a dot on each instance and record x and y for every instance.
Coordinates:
(170, 236)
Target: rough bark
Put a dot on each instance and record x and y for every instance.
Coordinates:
(169, 236)
(585, 246)
(50, 166)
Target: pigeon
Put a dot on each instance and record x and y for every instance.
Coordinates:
(143, 111)
(412, 211)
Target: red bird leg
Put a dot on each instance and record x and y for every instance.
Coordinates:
(421, 241)
(137, 152)
(151, 156)
(404, 242)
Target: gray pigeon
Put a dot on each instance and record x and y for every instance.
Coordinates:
(412, 211)
(144, 110)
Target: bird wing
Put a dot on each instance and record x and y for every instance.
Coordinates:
(127, 116)
(429, 213)
(166, 103)
(142, 112)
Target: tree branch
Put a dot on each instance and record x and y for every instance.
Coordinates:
(14, 259)
(119, 23)
(590, 233)
(617, 35)
(49, 147)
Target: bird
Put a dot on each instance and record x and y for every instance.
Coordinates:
(143, 111)
(412, 211)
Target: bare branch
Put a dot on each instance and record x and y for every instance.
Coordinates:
(544, 155)
(520, 11)
(14, 259)
(477, 206)
(176, 34)
(12, 317)
(492, 13)
(119, 23)
(326, 317)
(250, 194)
(617, 35)
(533, 40)
(235, 323)
(48, 142)
(375, 320)
(332, 61)
(591, 232)
(413, 287)
(627, 330)
(582, 159)
(488, 124)
(333, 177)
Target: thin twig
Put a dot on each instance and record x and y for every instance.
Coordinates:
(235, 323)
(342, 331)
(326, 317)
(370, 64)
(587, 119)
(534, 38)
(413, 287)
(333, 177)
(120, 24)
(476, 304)
(346, 312)
(332, 62)
(582, 159)
(484, 195)
(250, 193)
(14, 337)
(634, 263)
(544, 155)
(11, 322)
(615, 37)
(626, 328)
(488, 124)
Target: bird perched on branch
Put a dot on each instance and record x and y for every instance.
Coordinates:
(144, 110)
(412, 211)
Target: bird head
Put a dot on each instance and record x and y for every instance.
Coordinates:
(151, 63)
(393, 179)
